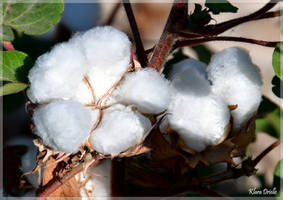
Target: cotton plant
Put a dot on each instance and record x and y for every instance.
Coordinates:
(97, 182)
(87, 93)
(199, 108)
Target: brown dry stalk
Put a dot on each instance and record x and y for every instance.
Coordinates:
(99, 118)
(91, 89)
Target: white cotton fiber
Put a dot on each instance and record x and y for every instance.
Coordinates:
(107, 52)
(99, 183)
(56, 74)
(237, 80)
(119, 130)
(199, 116)
(62, 125)
(83, 93)
(147, 89)
(182, 66)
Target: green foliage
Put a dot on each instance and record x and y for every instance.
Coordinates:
(269, 121)
(200, 16)
(277, 86)
(277, 59)
(278, 178)
(6, 34)
(203, 52)
(218, 6)
(30, 18)
(11, 88)
(14, 70)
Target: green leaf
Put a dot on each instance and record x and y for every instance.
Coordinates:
(203, 53)
(269, 121)
(218, 6)
(15, 67)
(278, 177)
(200, 16)
(30, 18)
(277, 88)
(277, 59)
(6, 34)
(11, 88)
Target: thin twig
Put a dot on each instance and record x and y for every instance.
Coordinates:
(174, 24)
(247, 169)
(266, 151)
(270, 14)
(134, 28)
(113, 14)
(217, 29)
(191, 42)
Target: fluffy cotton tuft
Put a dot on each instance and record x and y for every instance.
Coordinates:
(237, 80)
(147, 89)
(119, 130)
(199, 116)
(107, 52)
(62, 125)
(182, 67)
(56, 74)
(99, 181)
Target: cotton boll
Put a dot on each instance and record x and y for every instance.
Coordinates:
(147, 89)
(182, 66)
(191, 81)
(99, 183)
(83, 93)
(107, 52)
(237, 80)
(200, 120)
(199, 116)
(62, 125)
(119, 130)
(106, 46)
(56, 74)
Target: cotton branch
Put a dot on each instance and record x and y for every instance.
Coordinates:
(138, 42)
(174, 24)
(217, 29)
(247, 169)
(113, 14)
(271, 14)
(191, 42)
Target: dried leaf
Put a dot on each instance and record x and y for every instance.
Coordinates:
(244, 137)
(70, 188)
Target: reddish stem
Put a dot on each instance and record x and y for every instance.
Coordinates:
(191, 42)
(266, 151)
(174, 24)
(212, 30)
(9, 46)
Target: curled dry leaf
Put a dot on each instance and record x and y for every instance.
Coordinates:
(69, 189)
